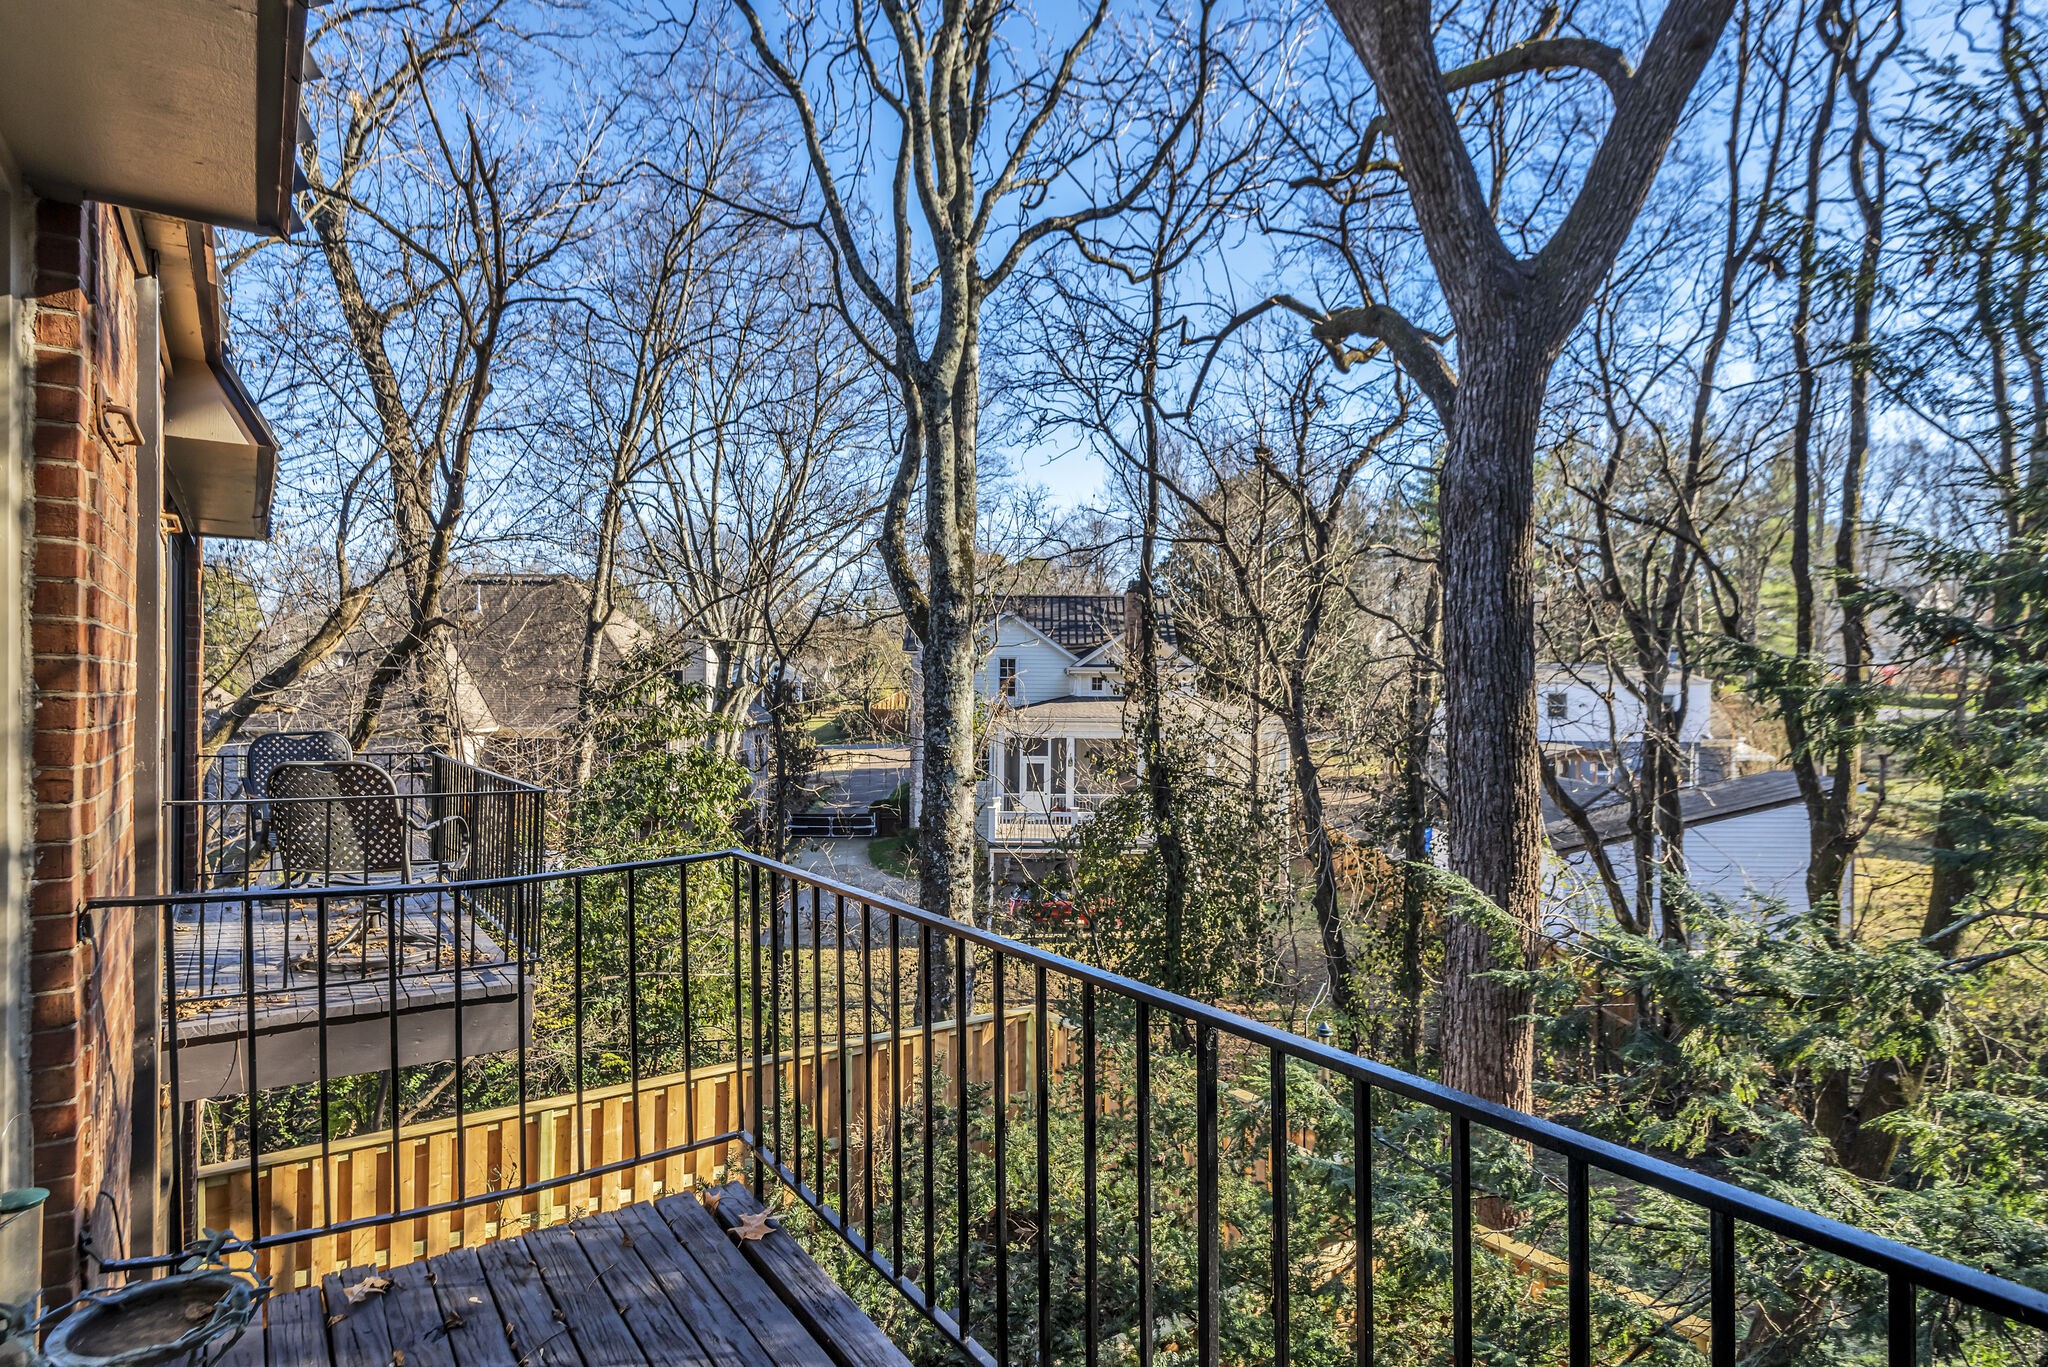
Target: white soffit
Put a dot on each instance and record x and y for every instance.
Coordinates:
(220, 459)
(186, 107)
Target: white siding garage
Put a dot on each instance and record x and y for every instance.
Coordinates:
(1745, 841)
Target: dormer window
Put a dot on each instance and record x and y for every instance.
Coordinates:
(1006, 677)
(1097, 684)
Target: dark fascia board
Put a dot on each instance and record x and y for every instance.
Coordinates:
(281, 60)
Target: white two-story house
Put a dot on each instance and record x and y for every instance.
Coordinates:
(1590, 721)
(1053, 680)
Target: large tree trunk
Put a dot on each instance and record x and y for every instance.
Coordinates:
(951, 398)
(1490, 750)
(1513, 314)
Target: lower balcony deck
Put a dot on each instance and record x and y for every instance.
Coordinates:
(654, 1284)
(288, 974)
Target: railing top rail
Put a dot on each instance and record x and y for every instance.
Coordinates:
(485, 771)
(1925, 1270)
(251, 800)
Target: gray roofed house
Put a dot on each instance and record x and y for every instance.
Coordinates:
(511, 671)
(1746, 842)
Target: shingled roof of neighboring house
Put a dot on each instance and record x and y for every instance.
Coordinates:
(1696, 806)
(1078, 622)
(512, 664)
(520, 638)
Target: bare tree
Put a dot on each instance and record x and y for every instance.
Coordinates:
(436, 227)
(987, 126)
(1820, 687)
(1278, 509)
(755, 508)
(1512, 315)
(1679, 457)
(656, 283)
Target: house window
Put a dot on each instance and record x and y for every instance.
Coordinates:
(1006, 677)
(1556, 704)
(1095, 684)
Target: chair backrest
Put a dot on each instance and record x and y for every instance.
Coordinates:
(268, 751)
(338, 819)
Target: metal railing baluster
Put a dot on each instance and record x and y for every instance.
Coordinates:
(1902, 1322)
(1091, 1309)
(1208, 1238)
(1282, 1268)
(1461, 1241)
(1721, 1287)
(963, 1007)
(1043, 1114)
(1143, 1086)
(1579, 1261)
(1361, 1221)
(1000, 1119)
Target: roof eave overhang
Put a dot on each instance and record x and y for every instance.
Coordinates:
(220, 457)
(188, 108)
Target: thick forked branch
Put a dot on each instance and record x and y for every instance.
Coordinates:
(1418, 353)
(1396, 41)
(1533, 54)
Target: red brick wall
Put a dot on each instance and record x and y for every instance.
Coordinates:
(83, 639)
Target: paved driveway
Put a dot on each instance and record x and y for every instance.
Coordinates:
(847, 861)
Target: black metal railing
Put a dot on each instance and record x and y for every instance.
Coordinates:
(1045, 1160)
(455, 820)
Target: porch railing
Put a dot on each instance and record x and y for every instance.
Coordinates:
(1049, 827)
(1134, 1173)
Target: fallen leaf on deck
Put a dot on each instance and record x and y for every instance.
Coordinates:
(366, 1288)
(711, 1200)
(398, 1357)
(336, 1318)
(753, 1225)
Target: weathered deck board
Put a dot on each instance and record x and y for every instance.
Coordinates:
(356, 1330)
(533, 1324)
(779, 1331)
(586, 1305)
(412, 1312)
(295, 1331)
(216, 958)
(652, 1285)
(469, 1313)
(730, 1339)
(828, 1312)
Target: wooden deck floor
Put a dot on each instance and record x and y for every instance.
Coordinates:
(648, 1285)
(218, 946)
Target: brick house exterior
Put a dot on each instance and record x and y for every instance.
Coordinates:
(83, 647)
(124, 437)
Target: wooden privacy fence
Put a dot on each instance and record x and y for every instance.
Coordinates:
(439, 1161)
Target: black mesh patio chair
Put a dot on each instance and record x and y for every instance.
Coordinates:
(343, 821)
(243, 834)
(266, 752)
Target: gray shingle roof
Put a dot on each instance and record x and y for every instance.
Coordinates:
(1696, 806)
